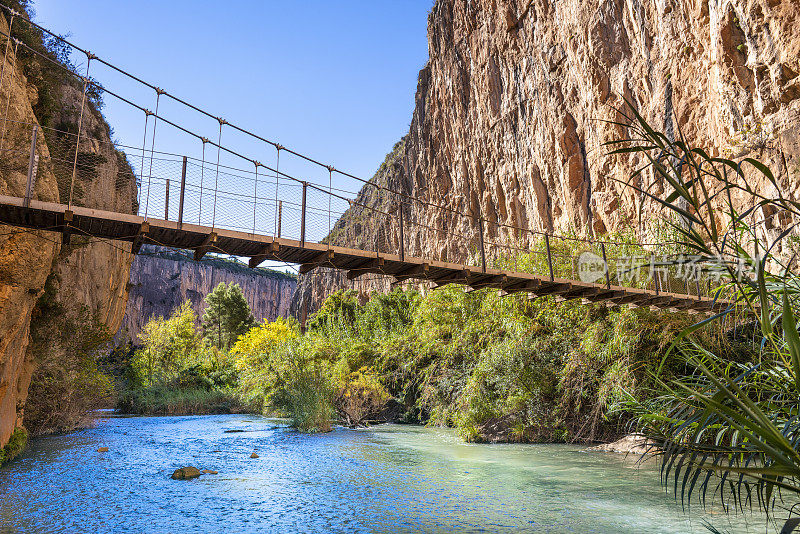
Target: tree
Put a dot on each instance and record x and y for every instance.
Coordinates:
(227, 316)
(168, 345)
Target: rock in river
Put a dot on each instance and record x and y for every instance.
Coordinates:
(186, 473)
(630, 444)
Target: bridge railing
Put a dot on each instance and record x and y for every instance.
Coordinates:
(191, 190)
(216, 185)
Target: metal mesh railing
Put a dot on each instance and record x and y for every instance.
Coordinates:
(216, 185)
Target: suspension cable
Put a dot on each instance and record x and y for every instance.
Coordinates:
(255, 197)
(202, 177)
(216, 182)
(141, 165)
(10, 88)
(5, 54)
(152, 148)
(277, 185)
(249, 133)
(89, 57)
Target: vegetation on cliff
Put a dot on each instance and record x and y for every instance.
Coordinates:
(57, 379)
(16, 444)
(65, 385)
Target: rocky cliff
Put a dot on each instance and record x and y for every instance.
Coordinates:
(85, 280)
(161, 279)
(512, 108)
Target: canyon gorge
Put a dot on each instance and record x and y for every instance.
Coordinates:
(512, 114)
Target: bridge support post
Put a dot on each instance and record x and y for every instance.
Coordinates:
(656, 282)
(483, 248)
(549, 255)
(605, 263)
(183, 192)
(280, 213)
(66, 230)
(303, 217)
(402, 235)
(32, 166)
(166, 203)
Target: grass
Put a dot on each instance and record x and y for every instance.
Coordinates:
(170, 401)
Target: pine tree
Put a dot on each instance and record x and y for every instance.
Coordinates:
(227, 316)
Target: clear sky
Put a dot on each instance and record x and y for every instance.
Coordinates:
(334, 79)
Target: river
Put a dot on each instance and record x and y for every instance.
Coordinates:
(389, 478)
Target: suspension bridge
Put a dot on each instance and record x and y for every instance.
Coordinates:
(244, 208)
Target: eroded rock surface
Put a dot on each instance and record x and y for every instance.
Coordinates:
(630, 444)
(513, 109)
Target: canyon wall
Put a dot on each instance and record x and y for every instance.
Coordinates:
(519, 97)
(162, 279)
(47, 285)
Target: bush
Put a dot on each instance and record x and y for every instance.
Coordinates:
(496, 368)
(176, 373)
(66, 341)
(16, 444)
(360, 395)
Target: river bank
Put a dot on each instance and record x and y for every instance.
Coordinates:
(387, 478)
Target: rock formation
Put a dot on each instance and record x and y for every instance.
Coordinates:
(513, 109)
(162, 279)
(85, 278)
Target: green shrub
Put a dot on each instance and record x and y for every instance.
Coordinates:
(496, 368)
(65, 343)
(16, 444)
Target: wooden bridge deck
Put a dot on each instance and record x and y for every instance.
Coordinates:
(203, 239)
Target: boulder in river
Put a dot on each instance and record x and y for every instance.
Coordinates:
(254, 455)
(186, 473)
(102, 449)
(630, 444)
(209, 472)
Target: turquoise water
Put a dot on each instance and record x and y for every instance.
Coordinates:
(385, 479)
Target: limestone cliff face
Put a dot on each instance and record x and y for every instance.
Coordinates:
(88, 278)
(162, 279)
(25, 257)
(510, 110)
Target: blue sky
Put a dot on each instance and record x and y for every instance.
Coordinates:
(332, 79)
